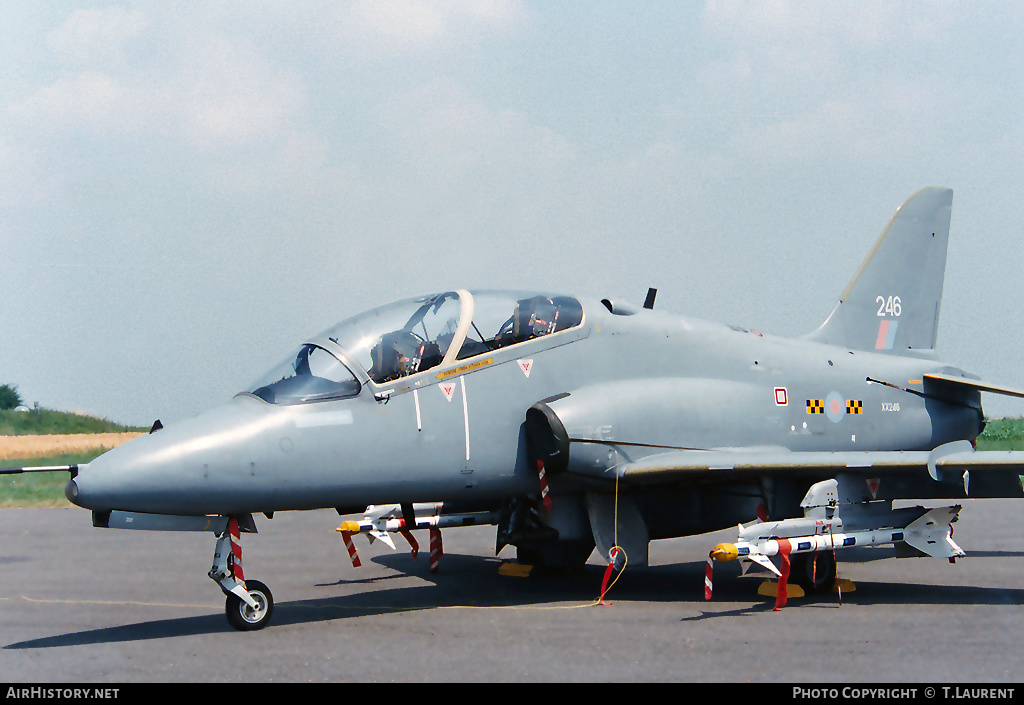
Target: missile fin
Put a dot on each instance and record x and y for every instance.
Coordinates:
(762, 560)
(931, 533)
(383, 536)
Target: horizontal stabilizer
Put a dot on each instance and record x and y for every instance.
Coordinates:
(975, 384)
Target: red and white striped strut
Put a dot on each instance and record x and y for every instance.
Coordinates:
(236, 550)
(414, 545)
(227, 564)
(707, 577)
(352, 554)
(542, 475)
(436, 549)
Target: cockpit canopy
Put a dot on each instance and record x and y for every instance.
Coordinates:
(415, 335)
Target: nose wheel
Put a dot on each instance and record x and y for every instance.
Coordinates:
(249, 603)
(244, 617)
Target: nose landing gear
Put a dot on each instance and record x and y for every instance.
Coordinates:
(249, 603)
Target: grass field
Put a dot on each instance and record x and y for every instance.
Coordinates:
(1002, 434)
(48, 437)
(47, 489)
(34, 447)
(48, 421)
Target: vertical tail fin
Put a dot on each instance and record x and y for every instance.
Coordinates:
(892, 302)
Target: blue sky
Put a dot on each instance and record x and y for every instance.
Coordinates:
(189, 189)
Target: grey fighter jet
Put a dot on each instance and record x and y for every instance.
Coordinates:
(571, 424)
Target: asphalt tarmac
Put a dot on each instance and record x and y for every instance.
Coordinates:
(83, 605)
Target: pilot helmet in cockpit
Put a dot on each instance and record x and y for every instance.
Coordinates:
(395, 355)
(533, 318)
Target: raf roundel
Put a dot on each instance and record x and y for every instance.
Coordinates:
(835, 407)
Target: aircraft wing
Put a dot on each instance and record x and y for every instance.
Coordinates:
(980, 473)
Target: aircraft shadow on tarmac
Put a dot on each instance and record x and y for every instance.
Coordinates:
(471, 582)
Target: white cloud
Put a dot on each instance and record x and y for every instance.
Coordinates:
(89, 99)
(218, 91)
(403, 25)
(225, 92)
(856, 81)
(296, 169)
(786, 47)
(19, 177)
(865, 24)
(446, 132)
(96, 34)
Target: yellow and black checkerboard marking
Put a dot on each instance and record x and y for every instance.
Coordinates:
(854, 406)
(815, 406)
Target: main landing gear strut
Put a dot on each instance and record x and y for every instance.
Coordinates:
(249, 602)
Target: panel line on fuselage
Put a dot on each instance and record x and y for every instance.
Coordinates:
(465, 413)
(416, 401)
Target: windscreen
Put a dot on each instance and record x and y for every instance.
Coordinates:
(312, 374)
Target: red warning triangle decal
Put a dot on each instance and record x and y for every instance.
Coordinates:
(526, 366)
(873, 484)
(448, 389)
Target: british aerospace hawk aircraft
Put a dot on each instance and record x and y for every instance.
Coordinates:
(571, 423)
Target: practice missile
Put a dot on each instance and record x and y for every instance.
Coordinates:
(380, 521)
(930, 533)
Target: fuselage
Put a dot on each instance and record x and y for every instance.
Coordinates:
(637, 382)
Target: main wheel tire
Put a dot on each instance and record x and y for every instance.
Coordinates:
(243, 617)
(814, 572)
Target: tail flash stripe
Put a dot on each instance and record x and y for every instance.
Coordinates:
(883, 334)
(886, 334)
(891, 338)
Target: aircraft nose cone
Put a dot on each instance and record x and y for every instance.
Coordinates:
(71, 491)
(202, 465)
